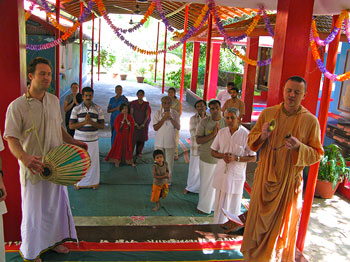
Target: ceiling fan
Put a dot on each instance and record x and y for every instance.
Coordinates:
(136, 11)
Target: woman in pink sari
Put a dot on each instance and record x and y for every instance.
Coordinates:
(122, 147)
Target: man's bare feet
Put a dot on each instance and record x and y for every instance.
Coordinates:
(95, 187)
(155, 209)
(37, 260)
(185, 192)
(61, 249)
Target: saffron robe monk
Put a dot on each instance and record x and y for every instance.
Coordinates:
(270, 231)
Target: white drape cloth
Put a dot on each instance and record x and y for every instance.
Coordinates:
(207, 191)
(193, 178)
(230, 202)
(92, 177)
(46, 218)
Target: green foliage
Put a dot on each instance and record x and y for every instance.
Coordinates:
(173, 79)
(107, 59)
(332, 166)
(141, 71)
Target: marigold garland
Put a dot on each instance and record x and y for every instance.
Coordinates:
(322, 67)
(343, 17)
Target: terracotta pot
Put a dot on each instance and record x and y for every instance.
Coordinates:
(140, 79)
(123, 77)
(325, 189)
(114, 75)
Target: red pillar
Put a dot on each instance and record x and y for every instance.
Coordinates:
(183, 60)
(81, 50)
(249, 78)
(57, 52)
(99, 47)
(206, 73)
(92, 50)
(195, 62)
(13, 85)
(155, 68)
(313, 79)
(163, 82)
(290, 45)
(213, 70)
(322, 118)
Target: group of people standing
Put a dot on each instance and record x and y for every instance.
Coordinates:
(221, 149)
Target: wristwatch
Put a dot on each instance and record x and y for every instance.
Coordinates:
(238, 158)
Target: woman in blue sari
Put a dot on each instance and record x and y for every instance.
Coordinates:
(114, 106)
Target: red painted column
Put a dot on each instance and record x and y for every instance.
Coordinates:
(92, 50)
(249, 78)
(163, 82)
(155, 68)
(322, 118)
(13, 85)
(207, 60)
(81, 50)
(99, 47)
(213, 70)
(57, 52)
(313, 79)
(195, 62)
(291, 42)
(183, 60)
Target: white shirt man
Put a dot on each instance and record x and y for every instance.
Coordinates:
(165, 122)
(86, 119)
(32, 128)
(231, 148)
(3, 209)
(193, 178)
(225, 95)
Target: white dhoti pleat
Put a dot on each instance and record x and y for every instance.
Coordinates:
(46, 218)
(92, 177)
(2, 243)
(227, 201)
(193, 178)
(206, 192)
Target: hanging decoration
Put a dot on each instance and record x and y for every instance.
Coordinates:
(67, 33)
(28, 13)
(162, 15)
(221, 29)
(344, 16)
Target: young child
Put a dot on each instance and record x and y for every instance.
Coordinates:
(160, 178)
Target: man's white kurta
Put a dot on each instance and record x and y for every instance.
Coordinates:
(46, 216)
(229, 178)
(193, 178)
(3, 210)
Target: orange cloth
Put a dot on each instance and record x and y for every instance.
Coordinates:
(159, 191)
(270, 231)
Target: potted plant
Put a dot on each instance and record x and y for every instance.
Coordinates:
(123, 76)
(332, 171)
(140, 74)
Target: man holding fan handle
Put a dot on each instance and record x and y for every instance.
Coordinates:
(32, 128)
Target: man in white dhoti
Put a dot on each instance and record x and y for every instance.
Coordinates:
(86, 119)
(206, 132)
(193, 178)
(3, 209)
(32, 128)
(166, 122)
(231, 149)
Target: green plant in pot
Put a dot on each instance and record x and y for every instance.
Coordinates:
(140, 74)
(332, 169)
